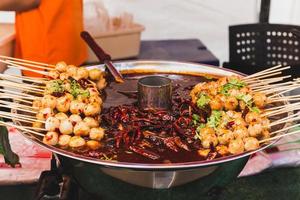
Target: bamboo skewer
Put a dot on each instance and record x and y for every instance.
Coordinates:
(27, 61)
(3, 91)
(269, 86)
(266, 70)
(285, 120)
(21, 128)
(13, 82)
(265, 75)
(268, 82)
(19, 118)
(25, 68)
(17, 105)
(262, 74)
(250, 80)
(35, 128)
(7, 76)
(31, 65)
(21, 86)
(18, 108)
(3, 95)
(284, 129)
(284, 109)
(30, 77)
(281, 90)
(279, 136)
(12, 114)
(284, 91)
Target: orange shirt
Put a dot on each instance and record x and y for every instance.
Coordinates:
(51, 33)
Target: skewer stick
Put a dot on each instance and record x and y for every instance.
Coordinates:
(269, 86)
(31, 65)
(285, 91)
(21, 116)
(21, 86)
(19, 119)
(35, 128)
(284, 99)
(281, 90)
(262, 74)
(293, 106)
(30, 77)
(25, 68)
(261, 77)
(277, 112)
(3, 95)
(8, 76)
(266, 70)
(17, 99)
(3, 91)
(275, 108)
(285, 129)
(17, 105)
(17, 108)
(30, 85)
(285, 120)
(21, 128)
(279, 136)
(266, 81)
(27, 61)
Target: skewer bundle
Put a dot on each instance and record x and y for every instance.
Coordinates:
(26, 107)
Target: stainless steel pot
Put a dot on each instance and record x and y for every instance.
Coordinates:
(93, 173)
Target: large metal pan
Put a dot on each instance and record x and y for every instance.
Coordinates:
(93, 173)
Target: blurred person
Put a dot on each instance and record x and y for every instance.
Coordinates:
(48, 31)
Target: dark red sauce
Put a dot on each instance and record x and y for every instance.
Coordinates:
(155, 136)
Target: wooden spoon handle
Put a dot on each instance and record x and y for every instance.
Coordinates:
(102, 56)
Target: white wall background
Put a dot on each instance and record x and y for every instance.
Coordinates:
(207, 20)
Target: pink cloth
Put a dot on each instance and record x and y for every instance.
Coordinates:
(33, 158)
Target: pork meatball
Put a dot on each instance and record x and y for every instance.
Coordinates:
(64, 140)
(63, 104)
(95, 74)
(92, 144)
(97, 133)
(52, 124)
(75, 119)
(82, 73)
(51, 138)
(72, 70)
(251, 143)
(66, 127)
(61, 66)
(77, 107)
(92, 109)
(61, 116)
(48, 101)
(81, 129)
(236, 146)
(53, 74)
(91, 122)
(77, 142)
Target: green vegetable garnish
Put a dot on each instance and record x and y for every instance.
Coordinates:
(233, 83)
(215, 118)
(77, 90)
(247, 98)
(196, 119)
(56, 86)
(255, 109)
(197, 134)
(203, 100)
